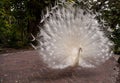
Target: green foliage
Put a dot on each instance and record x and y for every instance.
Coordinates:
(110, 12)
(18, 19)
(10, 29)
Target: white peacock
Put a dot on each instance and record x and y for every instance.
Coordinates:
(72, 38)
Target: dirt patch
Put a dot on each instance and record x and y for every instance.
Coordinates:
(12, 50)
(27, 67)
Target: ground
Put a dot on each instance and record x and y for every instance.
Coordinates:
(27, 67)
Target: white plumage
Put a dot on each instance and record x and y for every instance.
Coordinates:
(70, 38)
